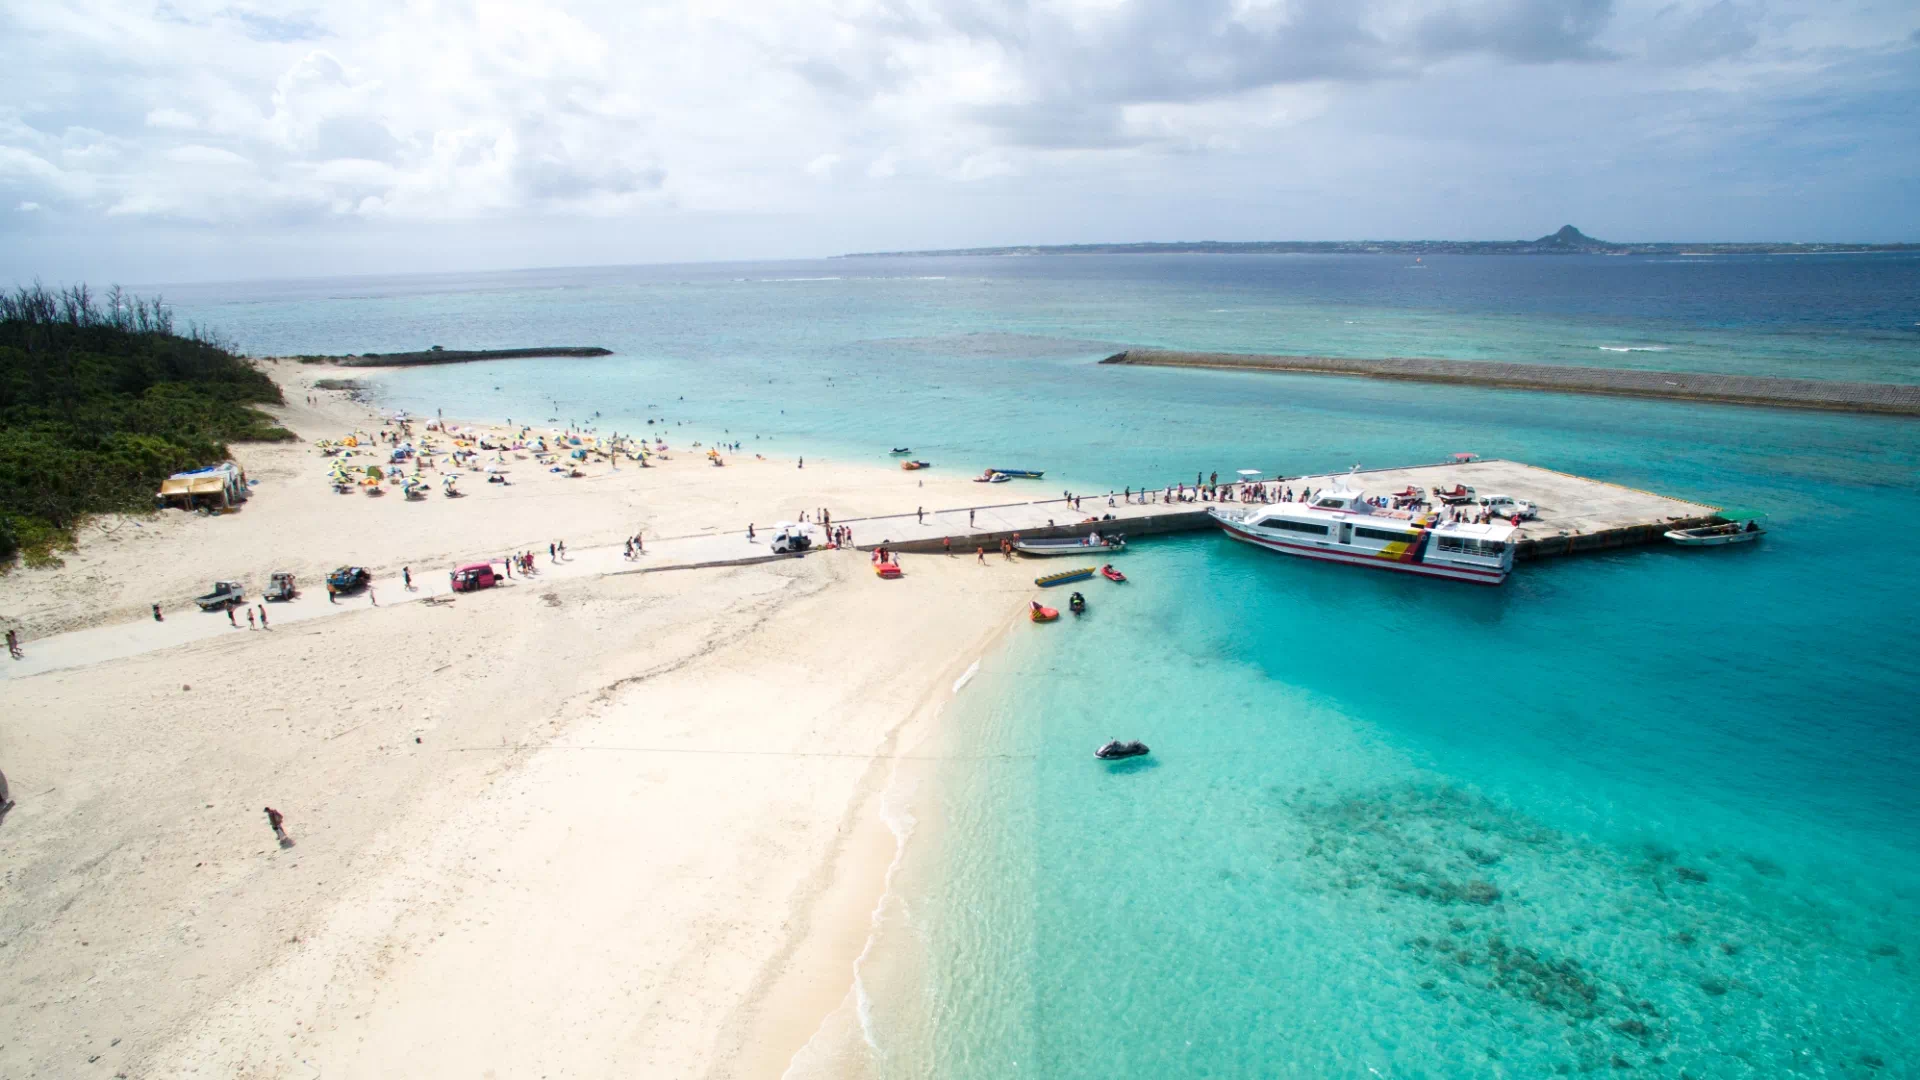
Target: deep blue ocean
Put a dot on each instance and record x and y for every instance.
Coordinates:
(1652, 809)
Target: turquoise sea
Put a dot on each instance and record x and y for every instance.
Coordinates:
(1650, 810)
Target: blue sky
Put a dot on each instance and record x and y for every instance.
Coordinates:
(187, 140)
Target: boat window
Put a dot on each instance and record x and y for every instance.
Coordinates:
(1294, 526)
(1466, 545)
(1382, 534)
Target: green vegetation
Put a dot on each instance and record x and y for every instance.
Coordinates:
(100, 400)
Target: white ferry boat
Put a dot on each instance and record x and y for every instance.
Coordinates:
(1339, 525)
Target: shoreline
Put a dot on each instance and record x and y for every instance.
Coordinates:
(753, 752)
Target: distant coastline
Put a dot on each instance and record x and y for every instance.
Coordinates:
(1829, 395)
(1567, 241)
(452, 356)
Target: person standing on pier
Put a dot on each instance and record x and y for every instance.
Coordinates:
(969, 519)
(920, 515)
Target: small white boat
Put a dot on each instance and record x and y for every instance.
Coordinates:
(1732, 532)
(1073, 546)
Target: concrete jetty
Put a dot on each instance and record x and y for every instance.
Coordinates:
(1826, 394)
(1576, 513)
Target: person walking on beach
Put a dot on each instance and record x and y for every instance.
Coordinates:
(13, 644)
(263, 616)
(946, 544)
(156, 614)
(250, 625)
(749, 532)
(276, 819)
(980, 555)
(969, 519)
(230, 619)
(406, 577)
(372, 599)
(550, 553)
(920, 515)
(563, 549)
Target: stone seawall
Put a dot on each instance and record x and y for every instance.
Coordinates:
(1885, 398)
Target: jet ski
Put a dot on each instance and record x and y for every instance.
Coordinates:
(1111, 574)
(1115, 750)
(1077, 604)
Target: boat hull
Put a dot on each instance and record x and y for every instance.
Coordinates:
(1451, 573)
(1684, 540)
(1045, 548)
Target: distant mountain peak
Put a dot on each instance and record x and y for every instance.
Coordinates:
(1567, 236)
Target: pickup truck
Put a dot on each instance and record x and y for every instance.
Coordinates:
(224, 593)
(348, 578)
(1507, 506)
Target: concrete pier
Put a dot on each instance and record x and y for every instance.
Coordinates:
(1576, 513)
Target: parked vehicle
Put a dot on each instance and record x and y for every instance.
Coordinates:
(1506, 506)
(224, 594)
(282, 588)
(348, 579)
(788, 537)
(1460, 493)
(473, 577)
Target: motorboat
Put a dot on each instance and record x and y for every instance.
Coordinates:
(991, 477)
(1077, 604)
(1731, 532)
(1041, 613)
(902, 450)
(1063, 577)
(1115, 750)
(1112, 575)
(1340, 525)
(1072, 545)
(1020, 474)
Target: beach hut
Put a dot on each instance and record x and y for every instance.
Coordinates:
(220, 485)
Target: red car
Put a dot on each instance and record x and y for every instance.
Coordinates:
(473, 576)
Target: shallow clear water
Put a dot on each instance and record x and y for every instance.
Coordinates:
(1652, 807)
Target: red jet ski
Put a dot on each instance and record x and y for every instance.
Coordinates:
(1111, 574)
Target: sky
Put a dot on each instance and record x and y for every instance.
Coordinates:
(193, 140)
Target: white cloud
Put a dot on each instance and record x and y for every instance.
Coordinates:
(171, 118)
(28, 207)
(195, 154)
(404, 112)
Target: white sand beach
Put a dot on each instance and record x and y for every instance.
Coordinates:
(590, 823)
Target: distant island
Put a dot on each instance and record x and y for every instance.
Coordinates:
(1568, 241)
(438, 355)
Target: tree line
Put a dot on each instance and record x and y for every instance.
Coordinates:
(100, 399)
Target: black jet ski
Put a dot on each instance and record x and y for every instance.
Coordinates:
(902, 450)
(1077, 604)
(1114, 750)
